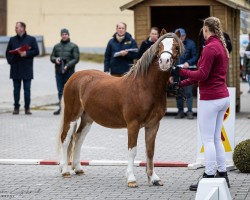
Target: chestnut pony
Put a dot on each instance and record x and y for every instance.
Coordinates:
(133, 101)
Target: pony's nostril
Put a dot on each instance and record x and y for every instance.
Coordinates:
(167, 61)
(160, 61)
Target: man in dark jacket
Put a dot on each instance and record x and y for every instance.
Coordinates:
(20, 52)
(189, 58)
(65, 55)
(120, 52)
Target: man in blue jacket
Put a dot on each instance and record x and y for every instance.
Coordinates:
(120, 52)
(21, 64)
(188, 58)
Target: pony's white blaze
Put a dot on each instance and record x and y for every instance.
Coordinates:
(130, 169)
(165, 60)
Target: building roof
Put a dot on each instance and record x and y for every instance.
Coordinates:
(236, 4)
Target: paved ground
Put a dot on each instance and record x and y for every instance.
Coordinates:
(34, 137)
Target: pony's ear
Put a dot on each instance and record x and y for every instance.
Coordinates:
(163, 32)
(178, 33)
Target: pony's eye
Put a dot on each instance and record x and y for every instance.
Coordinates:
(177, 48)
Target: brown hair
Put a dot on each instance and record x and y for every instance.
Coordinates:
(22, 25)
(156, 29)
(214, 26)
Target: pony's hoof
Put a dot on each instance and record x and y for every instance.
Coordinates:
(158, 183)
(132, 184)
(79, 172)
(66, 175)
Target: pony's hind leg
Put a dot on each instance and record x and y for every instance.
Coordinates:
(79, 137)
(150, 135)
(66, 139)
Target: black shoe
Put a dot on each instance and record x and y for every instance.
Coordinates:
(190, 115)
(15, 112)
(193, 187)
(27, 112)
(57, 112)
(223, 175)
(180, 115)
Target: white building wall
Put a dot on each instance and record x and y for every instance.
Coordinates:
(91, 22)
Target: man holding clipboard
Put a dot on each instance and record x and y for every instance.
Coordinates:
(20, 53)
(120, 52)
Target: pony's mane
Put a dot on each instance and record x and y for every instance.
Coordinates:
(143, 63)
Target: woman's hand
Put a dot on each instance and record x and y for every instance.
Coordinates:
(171, 79)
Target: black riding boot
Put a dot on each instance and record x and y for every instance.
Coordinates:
(223, 175)
(194, 186)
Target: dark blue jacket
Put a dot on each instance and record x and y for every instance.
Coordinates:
(120, 64)
(21, 68)
(190, 53)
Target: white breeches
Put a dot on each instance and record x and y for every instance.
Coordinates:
(210, 120)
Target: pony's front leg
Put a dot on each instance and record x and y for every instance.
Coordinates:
(133, 131)
(150, 135)
(64, 150)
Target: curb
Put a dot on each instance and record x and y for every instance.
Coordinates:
(90, 163)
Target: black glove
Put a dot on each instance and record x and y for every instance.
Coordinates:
(175, 71)
(174, 86)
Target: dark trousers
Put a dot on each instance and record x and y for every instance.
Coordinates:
(16, 92)
(188, 92)
(61, 79)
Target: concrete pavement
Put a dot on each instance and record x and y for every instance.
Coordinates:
(34, 137)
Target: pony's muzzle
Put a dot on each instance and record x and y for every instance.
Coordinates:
(164, 61)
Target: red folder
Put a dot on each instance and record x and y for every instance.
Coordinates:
(22, 48)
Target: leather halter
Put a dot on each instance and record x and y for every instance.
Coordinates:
(165, 52)
(171, 58)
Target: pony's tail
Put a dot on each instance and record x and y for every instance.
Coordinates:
(60, 131)
(59, 142)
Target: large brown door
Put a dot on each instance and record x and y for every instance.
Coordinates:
(187, 17)
(3, 17)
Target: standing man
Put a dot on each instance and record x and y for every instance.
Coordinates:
(187, 59)
(20, 53)
(125, 48)
(65, 55)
